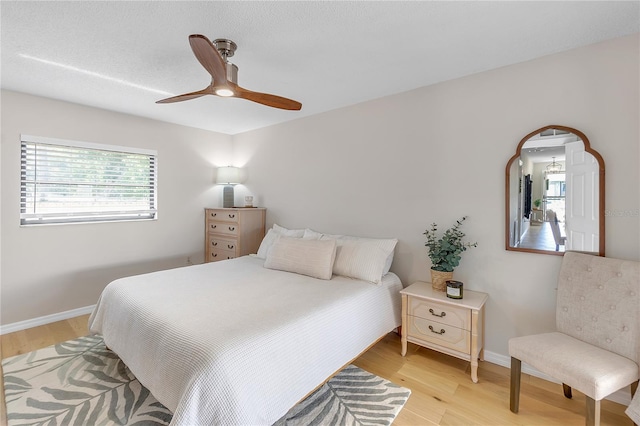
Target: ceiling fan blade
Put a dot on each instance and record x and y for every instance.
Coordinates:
(186, 96)
(266, 99)
(224, 83)
(209, 57)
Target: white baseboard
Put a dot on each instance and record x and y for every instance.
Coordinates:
(47, 319)
(623, 396)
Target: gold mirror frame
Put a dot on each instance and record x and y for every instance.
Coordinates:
(601, 191)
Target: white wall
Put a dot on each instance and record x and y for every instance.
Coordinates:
(384, 168)
(390, 167)
(52, 269)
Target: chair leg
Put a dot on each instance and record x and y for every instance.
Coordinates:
(593, 412)
(567, 391)
(634, 389)
(514, 396)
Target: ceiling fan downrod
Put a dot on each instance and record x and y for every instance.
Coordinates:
(227, 49)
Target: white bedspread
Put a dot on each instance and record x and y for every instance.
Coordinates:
(234, 343)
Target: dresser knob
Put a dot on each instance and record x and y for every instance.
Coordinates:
(231, 216)
(440, 315)
(437, 332)
(230, 246)
(214, 226)
(214, 244)
(214, 254)
(232, 228)
(214, 214)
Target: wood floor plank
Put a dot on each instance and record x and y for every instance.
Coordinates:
(442, 392)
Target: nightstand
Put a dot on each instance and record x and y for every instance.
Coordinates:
(451, 326)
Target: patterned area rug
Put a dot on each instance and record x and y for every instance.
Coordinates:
(81, 382)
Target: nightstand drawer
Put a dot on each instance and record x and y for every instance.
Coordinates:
(223, 215)
(440, 334)
(217, 254)
(223, 228)
(454, 316)
(223, 244)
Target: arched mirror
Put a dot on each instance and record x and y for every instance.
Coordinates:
(555, 194)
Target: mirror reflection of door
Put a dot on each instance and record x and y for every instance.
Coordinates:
(553, 198)
(582, 199)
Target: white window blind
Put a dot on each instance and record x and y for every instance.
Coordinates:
(73, 182)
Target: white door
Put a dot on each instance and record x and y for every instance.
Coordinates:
(581, 199)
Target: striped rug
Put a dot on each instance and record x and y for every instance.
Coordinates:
(81, 382)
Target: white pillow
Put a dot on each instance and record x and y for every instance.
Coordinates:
(272, 235)
(363, 258)
(310, 234)
(307, 257)
(295, 233)
(266, 243)
(384, 242)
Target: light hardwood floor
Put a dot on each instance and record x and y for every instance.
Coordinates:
(442, 392)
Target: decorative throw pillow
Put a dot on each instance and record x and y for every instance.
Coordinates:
(307, 257)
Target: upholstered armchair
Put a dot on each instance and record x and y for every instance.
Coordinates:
(596, 348)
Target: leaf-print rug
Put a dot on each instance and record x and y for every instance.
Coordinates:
(81, 382)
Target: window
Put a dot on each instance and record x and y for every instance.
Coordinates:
(75, 182)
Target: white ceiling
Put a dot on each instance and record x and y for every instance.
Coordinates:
(123, 56)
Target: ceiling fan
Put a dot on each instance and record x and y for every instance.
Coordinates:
(224, 75)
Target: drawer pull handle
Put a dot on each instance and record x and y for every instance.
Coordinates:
(442, 314)
(230, 246)
(231, 216)
(214, 214)
(214, 226)
(214, 254)
(232, 228)
(214, 244)
(437, 332)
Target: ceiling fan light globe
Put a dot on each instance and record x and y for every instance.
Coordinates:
(224, 92)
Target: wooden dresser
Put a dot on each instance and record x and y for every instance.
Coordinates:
(451, 326)
(233, 232)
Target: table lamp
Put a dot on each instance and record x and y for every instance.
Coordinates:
(228, 176)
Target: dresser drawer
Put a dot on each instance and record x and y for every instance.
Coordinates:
(223, 228)
(454, 316)
(216, 243)
(217, 254)
(440, 334)
(222, 215)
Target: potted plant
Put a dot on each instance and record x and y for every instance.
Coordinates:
(444, 252)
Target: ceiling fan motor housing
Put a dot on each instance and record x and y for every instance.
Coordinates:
(225, 46)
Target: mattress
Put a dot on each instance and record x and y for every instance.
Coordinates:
(234, 343)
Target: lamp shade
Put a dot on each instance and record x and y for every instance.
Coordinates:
(228, 175)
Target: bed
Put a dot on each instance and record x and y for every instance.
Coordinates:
(235, 342)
